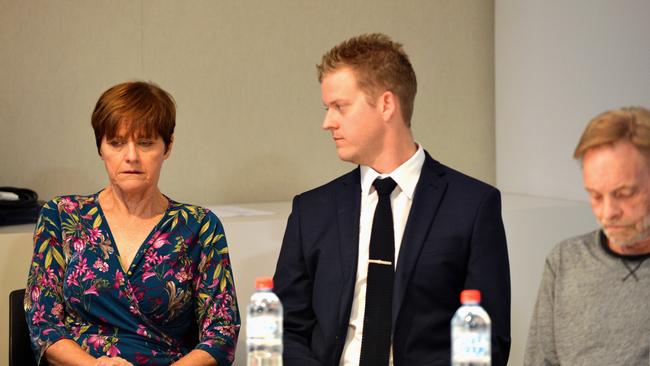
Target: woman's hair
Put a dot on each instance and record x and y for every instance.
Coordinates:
(143, 108)
(626, 124)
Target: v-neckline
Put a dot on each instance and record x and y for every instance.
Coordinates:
(143, 246)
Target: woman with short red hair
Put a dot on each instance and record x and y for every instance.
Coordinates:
(119, 276)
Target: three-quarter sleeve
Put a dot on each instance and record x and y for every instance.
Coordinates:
(217, 313)
(44, 304)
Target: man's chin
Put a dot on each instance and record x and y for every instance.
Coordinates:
(346, 157)
(628, 242)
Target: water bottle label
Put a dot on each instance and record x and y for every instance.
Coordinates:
(262, 326)
(470, 347)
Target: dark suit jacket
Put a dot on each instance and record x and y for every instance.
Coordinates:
(453, 240)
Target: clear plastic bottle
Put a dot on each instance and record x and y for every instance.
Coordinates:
(264, 326)
(470, 332)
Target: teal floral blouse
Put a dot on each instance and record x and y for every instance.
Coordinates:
(77, 288)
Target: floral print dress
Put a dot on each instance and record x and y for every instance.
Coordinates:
(77, 288)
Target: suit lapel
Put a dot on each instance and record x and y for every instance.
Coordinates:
(428, 194)
(348, 205)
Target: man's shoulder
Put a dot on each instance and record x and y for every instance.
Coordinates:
(456, 178)
(327, 189)
(574, 246)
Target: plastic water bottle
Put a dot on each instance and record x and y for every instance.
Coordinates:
(470, 332)
(264, 326)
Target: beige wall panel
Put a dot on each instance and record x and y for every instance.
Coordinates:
(57, 57)
(249, 109)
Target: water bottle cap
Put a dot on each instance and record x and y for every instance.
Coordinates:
(264, 283)
(470, 296)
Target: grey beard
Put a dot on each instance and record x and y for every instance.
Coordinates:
(642, 235)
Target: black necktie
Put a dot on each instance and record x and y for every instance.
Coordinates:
(375, 344)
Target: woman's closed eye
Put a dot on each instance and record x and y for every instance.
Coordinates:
(145, 142)
(116, 143)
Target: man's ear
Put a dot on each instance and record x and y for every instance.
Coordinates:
(388, 105)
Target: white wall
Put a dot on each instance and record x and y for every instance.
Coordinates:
(533, 226)
(558, 64)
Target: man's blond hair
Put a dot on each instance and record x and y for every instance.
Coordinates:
(379, 65)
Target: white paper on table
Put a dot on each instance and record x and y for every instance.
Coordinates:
(234, 211)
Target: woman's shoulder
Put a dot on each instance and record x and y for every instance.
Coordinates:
(70, 202)
(190, 211)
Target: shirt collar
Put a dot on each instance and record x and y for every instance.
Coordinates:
(406, 175)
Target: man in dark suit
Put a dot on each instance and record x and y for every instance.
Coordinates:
(356, 292)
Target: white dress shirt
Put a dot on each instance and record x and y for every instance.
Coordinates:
(406, 176)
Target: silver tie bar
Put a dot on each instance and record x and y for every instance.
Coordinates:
(378, 261)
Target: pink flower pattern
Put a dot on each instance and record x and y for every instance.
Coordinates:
(100, 265)
(159, 239)
(68, 204)
(96, 341)
(113, 351)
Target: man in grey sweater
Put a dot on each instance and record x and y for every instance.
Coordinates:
(593, 305)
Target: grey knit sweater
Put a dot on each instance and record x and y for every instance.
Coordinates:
(593, 307)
